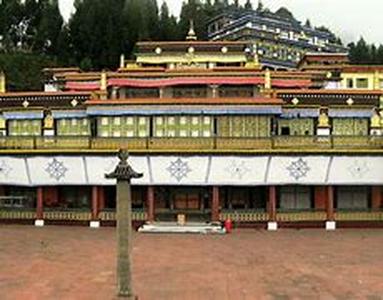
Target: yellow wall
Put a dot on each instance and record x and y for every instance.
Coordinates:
(375, 80)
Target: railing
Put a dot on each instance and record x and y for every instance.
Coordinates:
(137, 215)
(197, 143)
(301, 216)
(244, 215)
(14, 214)
(68, 215)
(359, 216)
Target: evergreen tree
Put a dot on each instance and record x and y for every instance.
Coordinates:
(193, 11)
(96, 31)
(260, 7)
(249, 6)
(167, 25)
(379, 55)
(49, 27)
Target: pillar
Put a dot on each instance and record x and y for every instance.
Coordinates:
(40, 207)
(215, 205)
(150, 204)
(376, 202)
(330, 220)
(272, 209)
(101, 198)
(95, 222)
(320, 196)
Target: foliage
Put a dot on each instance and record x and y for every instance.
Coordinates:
(363, 53)
(33, 34)
(24, 70)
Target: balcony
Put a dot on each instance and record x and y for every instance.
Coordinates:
(309, 143)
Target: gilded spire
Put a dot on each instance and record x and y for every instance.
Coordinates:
(191, 34)
(2, 82)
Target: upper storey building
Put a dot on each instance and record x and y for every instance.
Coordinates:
(215, 135)
(279, 41)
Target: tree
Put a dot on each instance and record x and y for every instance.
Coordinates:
(308, 23)
(23, 70)
(285, 13)
(97, 32)
(249, 6)
(48, 28)
(379, 54)
(260, 7)
(167, 25)
(193, 11)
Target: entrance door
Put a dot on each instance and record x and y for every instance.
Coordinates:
(186, 201)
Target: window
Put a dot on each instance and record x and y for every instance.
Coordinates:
(183, 126)
(350, 126)
(123, 126)
(352, 197)
(362, 83)
(73, 127)
(285, 130)
(295, 197)
(244, 126)
(350, 83)
(24, 127)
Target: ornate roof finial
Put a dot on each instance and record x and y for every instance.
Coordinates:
(2, 82)
(260, 6)
(191, 34)
(123, 170)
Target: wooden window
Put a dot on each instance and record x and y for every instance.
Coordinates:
(352, 197)
(244, 126)
(183, 126)
(73, 127)
(362, 83)
(24, 127)
(304, 126)
(350, 83)
(295, 197)
(350, 126)
(129, 126)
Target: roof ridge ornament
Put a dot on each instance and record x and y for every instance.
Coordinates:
(123, 170)
(191, 34)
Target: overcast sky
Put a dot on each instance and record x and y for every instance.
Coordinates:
(349, 19)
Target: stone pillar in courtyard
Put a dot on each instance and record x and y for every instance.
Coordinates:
(330, 220)
(124, 173)
(272, 224)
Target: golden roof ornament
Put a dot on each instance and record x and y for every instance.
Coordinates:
(323, 119)
(2, 123)
(2, 82)
(375, 120)
(48, 121)
(267, 79)
(191, 34)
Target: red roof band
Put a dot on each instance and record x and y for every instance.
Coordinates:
(153, 83)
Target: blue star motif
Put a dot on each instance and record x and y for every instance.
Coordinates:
(56, 169)
(298, 169)
(178, 169)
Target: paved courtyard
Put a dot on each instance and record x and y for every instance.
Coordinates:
(79, 263)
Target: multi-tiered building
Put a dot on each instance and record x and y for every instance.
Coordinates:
(215, 136)
(279, 40)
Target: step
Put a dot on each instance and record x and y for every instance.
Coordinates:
(172, 227)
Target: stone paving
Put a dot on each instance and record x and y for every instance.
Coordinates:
(79, 263)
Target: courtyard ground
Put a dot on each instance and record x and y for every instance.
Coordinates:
(79, 263)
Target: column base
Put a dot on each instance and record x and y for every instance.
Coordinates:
(272, 226)
(39, 223)
(94, 224)
(330, 225)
